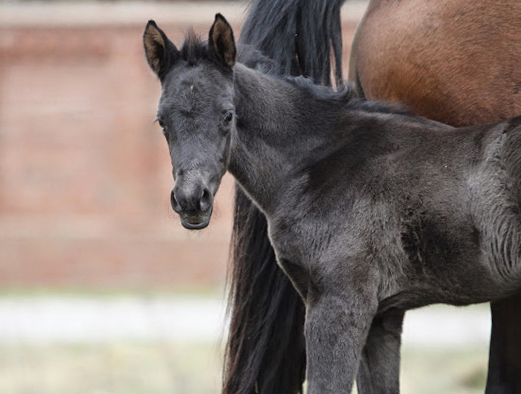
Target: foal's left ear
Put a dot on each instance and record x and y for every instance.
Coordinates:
(221, 41)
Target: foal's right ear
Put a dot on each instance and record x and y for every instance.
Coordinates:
(160, 52)
(221, 41)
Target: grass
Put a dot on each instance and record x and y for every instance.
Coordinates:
(444, 371)
(117, 368)
(194, 368)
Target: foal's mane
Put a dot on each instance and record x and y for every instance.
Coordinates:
(345, 97)
(195, 50)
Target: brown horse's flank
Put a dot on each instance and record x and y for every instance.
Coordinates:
(455, 61)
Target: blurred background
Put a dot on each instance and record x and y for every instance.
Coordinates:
(101, 289)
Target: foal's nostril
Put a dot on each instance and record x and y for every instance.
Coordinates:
(174, 203)
(206, 200)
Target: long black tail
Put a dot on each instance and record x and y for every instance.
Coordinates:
(266, 348)
(301, 35)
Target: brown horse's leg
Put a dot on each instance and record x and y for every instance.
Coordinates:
(504, 368)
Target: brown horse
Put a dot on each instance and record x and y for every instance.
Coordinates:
(458, 62)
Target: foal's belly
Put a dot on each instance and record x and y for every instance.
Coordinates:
(465, 251)
(414, 269)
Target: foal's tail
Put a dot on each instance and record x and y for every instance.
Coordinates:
(266, 348)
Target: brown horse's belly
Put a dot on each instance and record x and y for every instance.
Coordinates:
(455, 61)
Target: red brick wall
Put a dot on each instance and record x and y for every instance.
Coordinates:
(84, 174)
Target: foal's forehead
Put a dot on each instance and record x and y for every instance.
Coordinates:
(191, 87)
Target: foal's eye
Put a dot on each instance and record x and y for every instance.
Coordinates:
(228, 117)
(162, 125)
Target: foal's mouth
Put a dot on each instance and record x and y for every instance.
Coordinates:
(196, 221)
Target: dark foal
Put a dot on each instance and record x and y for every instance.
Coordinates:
(371, 211)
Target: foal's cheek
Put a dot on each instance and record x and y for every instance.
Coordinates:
(224, 147)
(228, 153)
(173, 155)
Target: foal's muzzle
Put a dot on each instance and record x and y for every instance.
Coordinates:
(194, 206)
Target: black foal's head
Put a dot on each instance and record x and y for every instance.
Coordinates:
(196, 113)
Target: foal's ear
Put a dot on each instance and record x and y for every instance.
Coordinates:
(159, 50)
(221, 41)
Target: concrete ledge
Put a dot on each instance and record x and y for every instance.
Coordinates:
(87, 319)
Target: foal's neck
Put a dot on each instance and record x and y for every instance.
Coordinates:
(277, 128)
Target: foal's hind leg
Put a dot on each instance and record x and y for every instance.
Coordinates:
(504, 374)
(379, 371)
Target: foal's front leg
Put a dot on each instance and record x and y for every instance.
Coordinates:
(336, 330)
(379, 371)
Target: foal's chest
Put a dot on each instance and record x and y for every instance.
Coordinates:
(361, 230)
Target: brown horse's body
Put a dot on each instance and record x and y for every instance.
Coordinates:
(458, 62)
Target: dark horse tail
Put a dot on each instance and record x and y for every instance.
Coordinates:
(266, 347)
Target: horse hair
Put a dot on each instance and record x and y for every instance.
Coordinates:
(300, 35)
